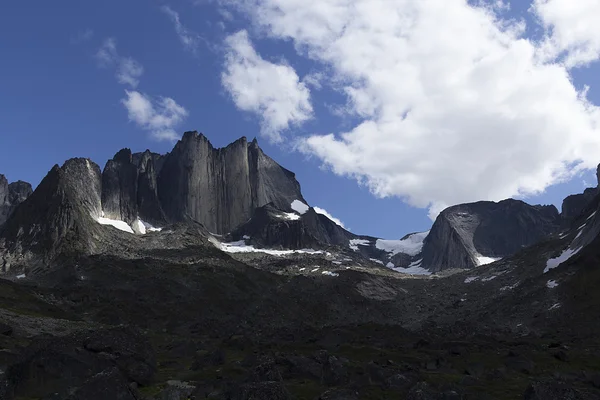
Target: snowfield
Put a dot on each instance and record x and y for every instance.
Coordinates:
(299, 207)
(241, 247)
(354, 243)
(483, 260)
(412, 245)
(140, 227)
(555, 262)
(120, 225)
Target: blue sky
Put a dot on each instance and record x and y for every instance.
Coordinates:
(292, 85)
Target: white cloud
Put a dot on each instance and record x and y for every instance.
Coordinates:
(454, 103)
(572, 27)
(272, 91)
(324, 212)
(128, 70)
(190, 40)
(159, 116)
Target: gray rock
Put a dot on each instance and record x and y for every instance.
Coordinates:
(268, 227)
(119, 187)
(11, 195)
(461, 233)
(57, 215)
(220, 188)
(573, 206)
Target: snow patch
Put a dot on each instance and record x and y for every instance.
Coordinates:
(329, 273)
(324, 212)
(120, 225)
(241, 247)
(354, 243)
(299, 206)
(413, 269)
(150, 228)
(289, 216)
(139, 227)
(483, 260)
(22, 276)
(591, 216)
(554, 307)
(376, 261)
(337, 262)
(412, 245)
(471, 279)
(302, 269)
(555, 262)
(551, 284)
(315, 269)
(246, 237)
(489, 278)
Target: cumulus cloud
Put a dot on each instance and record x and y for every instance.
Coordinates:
(453, 103)
(272, 91)
(324, 212)
(158, 116)
(190, 40)
(128, 70)
(572, 30)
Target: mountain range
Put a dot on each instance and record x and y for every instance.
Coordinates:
(204, 272)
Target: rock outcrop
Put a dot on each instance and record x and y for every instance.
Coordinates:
(463, 234)
(573, 205)
(273, 227)
(129, 187)
(219, 188)
(59, 215)
(11, 195)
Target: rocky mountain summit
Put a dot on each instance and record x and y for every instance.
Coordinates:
(204, 273)
(219, 188)
(11, 195)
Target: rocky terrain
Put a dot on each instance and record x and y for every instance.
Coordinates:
(204, 273)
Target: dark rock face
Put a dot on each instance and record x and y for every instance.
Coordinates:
(119, 187)
(220, 188)
(11, 195)
(129, 187)
(63, 205)
(573, 205)
(272, 227)
(463, 232)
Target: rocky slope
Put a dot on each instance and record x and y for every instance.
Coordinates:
(11, 195)
(468, 235)
(168, 315)
(57, 217)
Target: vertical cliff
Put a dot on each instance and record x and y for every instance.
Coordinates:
(464, 234)
(221, 188)
(11, 195)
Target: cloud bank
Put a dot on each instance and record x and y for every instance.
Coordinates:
(272, 91)
(454, 103)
